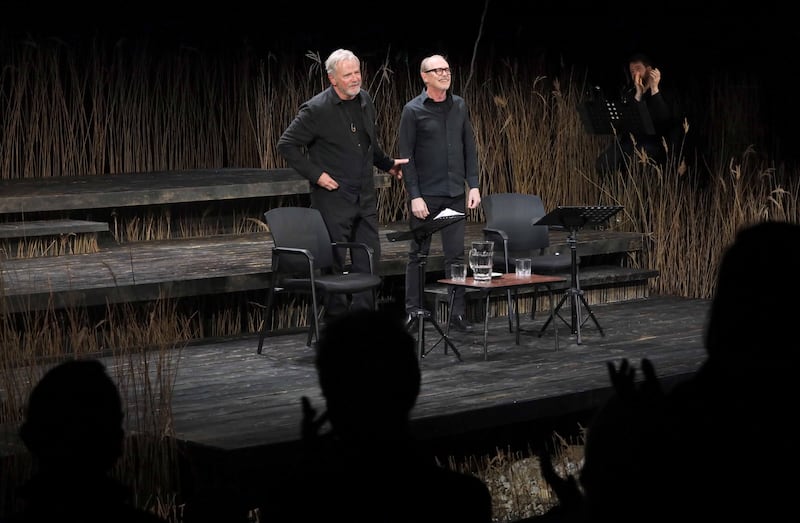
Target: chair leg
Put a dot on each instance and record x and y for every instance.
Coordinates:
(508, 298)
(516, 315)
(313, 331)
(267, 317)
(314, 327)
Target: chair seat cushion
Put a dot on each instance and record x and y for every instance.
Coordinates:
(336, 283)
(551, 263)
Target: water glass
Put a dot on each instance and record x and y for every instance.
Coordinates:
(458, 272)
(481, 260)
(523, 267)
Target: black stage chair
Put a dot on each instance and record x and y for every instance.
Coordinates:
(303, 260)
(510, 219)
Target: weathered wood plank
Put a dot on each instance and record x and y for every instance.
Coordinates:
(105, 191)
(200, 266)
(31, 228)
(229, 397)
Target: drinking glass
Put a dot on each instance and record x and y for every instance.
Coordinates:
(458, 272)
(523, 267)
(480, 260)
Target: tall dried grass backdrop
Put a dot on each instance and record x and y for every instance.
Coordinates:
(129, 106)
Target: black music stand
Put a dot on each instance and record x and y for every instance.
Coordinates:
(601, 116)
(575, 218)
(421, 315)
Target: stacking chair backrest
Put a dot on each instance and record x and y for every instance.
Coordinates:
(515, 213)
(302, 228)
(303, 262)
(510, 219)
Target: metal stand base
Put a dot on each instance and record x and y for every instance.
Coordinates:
(576, 298)
(417, 320)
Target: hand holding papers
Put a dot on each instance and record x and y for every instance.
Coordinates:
(427, 228)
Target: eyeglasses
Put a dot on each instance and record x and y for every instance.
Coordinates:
(439, 71)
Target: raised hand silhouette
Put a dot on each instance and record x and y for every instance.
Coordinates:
(713, 447)
(623, 379)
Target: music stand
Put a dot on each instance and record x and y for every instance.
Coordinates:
(575, 218)
(421, 315)
(601, 116)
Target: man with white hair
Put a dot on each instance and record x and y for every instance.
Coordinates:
(332, 142)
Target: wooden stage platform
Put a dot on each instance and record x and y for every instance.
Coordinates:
(141, 271)
(211, 265)
(230, 401)
(237, 414)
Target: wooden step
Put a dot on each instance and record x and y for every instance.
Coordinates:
(35, 228)
(109, 191)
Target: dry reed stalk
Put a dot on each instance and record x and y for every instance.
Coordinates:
(265, 129)
(144, 366)
(65, 244)
(227, 323)
(244, 224)
(515, 480)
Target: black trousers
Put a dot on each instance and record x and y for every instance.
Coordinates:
(349, 221)
(452, 244)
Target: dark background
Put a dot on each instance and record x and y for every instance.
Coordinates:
(700, 36)
(691, 43)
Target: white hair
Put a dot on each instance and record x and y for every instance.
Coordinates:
(338, 56)
(423, 66)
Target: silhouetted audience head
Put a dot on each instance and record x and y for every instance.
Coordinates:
(74, 419)
(73, 428)
(714, 447)
(757, 273)
(369, 374)
(369, 467)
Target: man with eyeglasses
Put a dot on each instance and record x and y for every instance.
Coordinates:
(437, 138)
(333, 143)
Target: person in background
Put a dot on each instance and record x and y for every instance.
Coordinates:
(645, 88)
(332, 142)
(437, 138)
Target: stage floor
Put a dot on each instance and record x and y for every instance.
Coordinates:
(230, 399)
(237, 414)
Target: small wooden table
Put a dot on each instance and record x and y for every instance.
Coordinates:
(503, 282)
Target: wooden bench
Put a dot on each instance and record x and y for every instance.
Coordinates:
(55, 206)
(37, 238)
(108, 191)
(37, 228)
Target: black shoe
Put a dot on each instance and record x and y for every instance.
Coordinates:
(460, 323)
